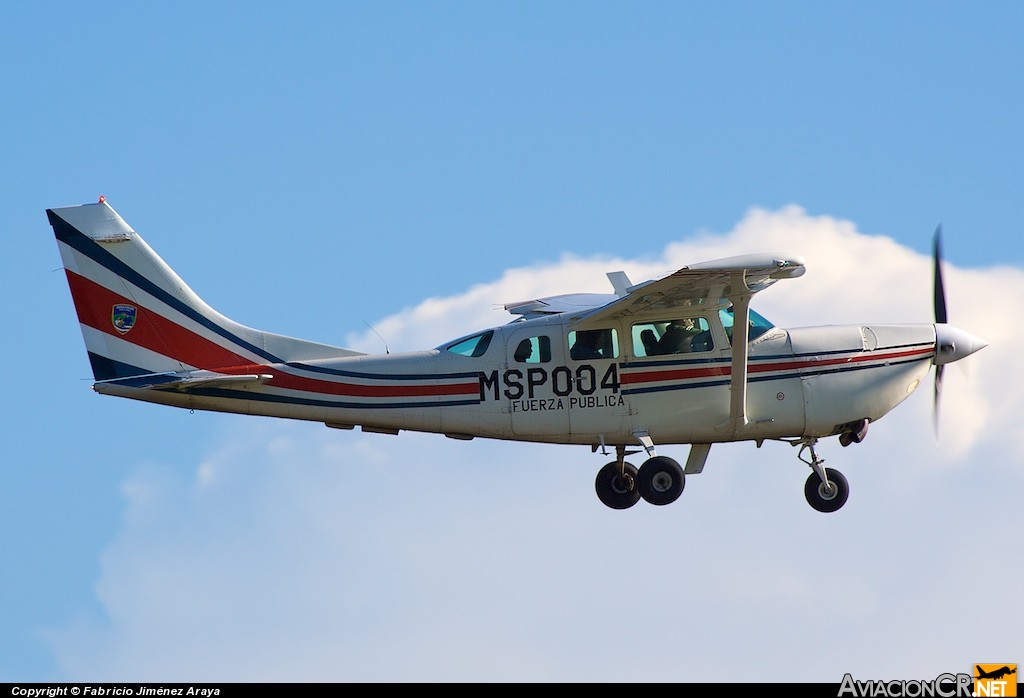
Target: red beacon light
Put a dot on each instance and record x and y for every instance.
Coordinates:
(103, 199)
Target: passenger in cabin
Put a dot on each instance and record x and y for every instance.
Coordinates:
(587, 345)
(524, 351)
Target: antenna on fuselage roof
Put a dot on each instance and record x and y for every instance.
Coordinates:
(386, 350)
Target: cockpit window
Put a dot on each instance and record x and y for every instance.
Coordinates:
(474, 346)
(758, 323)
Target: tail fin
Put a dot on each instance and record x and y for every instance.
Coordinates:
(139, 318)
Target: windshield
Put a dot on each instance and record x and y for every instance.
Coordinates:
(474, 346)
(758, 323)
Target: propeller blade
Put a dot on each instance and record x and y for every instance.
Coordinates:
(935, 403)
(940, 317)
(940, 293)
(951, 343)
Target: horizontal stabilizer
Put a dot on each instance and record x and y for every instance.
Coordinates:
(184, 382)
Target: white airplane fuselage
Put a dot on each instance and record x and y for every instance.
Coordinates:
(676, 360)
(801, 382)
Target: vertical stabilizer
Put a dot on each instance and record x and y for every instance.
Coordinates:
(138, 317)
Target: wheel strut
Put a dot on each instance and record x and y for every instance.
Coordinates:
(620, 460)
(816, 463)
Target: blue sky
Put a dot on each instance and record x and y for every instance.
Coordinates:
(313, 170)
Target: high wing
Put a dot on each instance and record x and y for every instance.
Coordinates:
(556, 305)
(690, 286)
(734, 278)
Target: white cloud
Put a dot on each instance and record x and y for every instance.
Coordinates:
(297, 553)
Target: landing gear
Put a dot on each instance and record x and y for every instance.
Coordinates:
(827, 496)
(616, 486)
(620, 485)
(826, 489)
(660, 480)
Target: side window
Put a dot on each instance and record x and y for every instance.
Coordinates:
(472, 346)
(534, 350)
(593, 344)
(677, 336)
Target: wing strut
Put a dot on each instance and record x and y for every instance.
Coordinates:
(740, 297)
(738, 384)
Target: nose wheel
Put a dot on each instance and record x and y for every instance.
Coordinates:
(826, 489)
(827, 495)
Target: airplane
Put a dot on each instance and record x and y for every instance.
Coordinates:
(996, 674)
(678, 360)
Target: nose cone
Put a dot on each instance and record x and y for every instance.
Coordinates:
(953, 344)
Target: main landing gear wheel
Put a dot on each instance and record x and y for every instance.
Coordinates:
(827, 497)
(660, 480)
(617, 490)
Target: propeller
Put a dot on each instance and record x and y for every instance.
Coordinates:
(951, 343)
(939, 293)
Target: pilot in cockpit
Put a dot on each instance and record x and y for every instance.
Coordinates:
(678, 334)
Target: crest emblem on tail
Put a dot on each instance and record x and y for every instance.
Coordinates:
(123, 317)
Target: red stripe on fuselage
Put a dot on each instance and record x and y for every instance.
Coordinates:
(674, 374)
(152, 331)
(293, 382)
(635, 376)
(862, 357)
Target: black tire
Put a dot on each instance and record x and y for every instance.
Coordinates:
(612, 490)
(823, 500)
(660, 480)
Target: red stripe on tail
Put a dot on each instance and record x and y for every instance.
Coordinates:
(95, 307)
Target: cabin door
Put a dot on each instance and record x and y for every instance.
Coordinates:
(536, 382)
